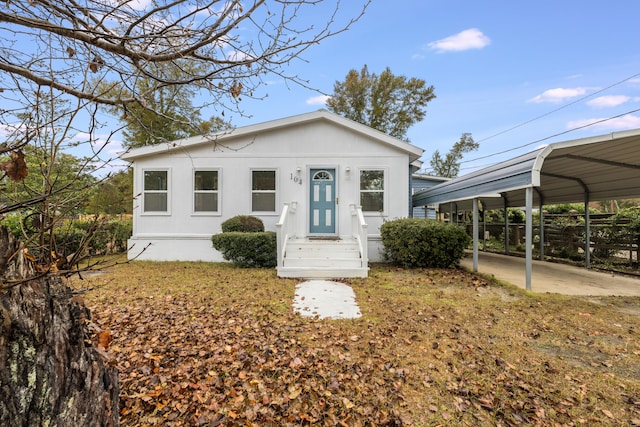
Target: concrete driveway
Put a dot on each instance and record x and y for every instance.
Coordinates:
(554, 277)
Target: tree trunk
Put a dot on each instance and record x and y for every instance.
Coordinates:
(50, 373)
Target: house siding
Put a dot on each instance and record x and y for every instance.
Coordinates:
(421, 182)
(182, 234)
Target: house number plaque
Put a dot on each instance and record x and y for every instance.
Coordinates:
(296, 179)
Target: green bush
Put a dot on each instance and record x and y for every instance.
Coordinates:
(418, 242)
(14, 224)
(243, 224)
(109, 237)
(250, 249)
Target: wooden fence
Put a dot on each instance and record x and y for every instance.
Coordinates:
(564, 237)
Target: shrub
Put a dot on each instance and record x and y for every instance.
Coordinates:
(109, 236)
(250, 249)
(13, 223)
(417, 242)
(243, 224)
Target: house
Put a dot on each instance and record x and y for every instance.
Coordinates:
(324, 183)
(422, 181)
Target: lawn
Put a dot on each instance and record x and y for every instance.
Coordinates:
(211, 344)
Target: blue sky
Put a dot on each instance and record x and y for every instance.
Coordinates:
(495, 65)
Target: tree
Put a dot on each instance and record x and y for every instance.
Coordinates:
(168, 114)
(449, 166)
(120, 53)
(60, 61)
(114, 195)
(388, 103)
(65, 182)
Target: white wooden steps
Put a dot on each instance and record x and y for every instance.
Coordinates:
(323, 258)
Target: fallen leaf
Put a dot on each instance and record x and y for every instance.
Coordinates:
(608, 413)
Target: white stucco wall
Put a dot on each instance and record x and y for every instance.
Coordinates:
(181, 234)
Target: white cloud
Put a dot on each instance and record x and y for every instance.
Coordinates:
(139, 4)
(318, 100)
(236, 55)
(133, 4)
(558, 95)
(608, 101)
(464, 40)
(628, 121)
(89, 144)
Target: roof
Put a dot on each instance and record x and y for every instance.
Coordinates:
(430, 178)
(246, 131)
(601, 168)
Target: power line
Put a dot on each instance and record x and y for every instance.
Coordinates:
(551, 136)
(559, 108)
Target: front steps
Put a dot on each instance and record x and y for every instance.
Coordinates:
(323, 259)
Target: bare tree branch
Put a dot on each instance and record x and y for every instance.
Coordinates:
(230, 42)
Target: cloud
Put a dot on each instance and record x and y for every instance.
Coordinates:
(558, 95)
(464, 40)
(238, 56)
(318, 100)
(133, 4)
(86, 144)
(608, 101)
(628, 121)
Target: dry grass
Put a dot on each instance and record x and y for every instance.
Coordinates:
(210, 344)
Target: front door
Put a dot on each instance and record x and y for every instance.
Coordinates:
(322, 209)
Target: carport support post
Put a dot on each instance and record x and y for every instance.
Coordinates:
(541, 228)
(475, 235)
(528, 235)
(506, 225)
(587, 232)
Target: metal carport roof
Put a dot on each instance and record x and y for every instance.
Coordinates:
(603, 167)
(598, 168)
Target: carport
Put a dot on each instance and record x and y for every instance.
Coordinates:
(597, 168)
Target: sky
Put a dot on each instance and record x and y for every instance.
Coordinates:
(515, 74)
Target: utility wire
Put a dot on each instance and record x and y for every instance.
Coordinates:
(552, 136)
(558, 109)
(547, 114)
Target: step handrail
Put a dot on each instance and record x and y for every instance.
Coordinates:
(360, 232)
(285, 229)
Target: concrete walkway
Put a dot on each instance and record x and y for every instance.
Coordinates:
(326, 299)
(553, 277)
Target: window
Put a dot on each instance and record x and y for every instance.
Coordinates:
(156, 194)
(205, 191)
(372, 190)
(263, 191)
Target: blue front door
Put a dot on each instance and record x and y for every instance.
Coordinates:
(322, 208)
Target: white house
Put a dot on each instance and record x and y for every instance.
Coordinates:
(324, 183)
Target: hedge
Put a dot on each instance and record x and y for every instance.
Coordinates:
(423, 243)
(247, 249)
(109, 236)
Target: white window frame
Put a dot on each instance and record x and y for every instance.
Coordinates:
(274, 192)
(167, 192)
(385, 184)
(217, 212)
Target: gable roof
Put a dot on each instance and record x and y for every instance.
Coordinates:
(321, 115)
(602, 167)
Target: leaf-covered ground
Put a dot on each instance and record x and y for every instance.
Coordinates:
(210, 344)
